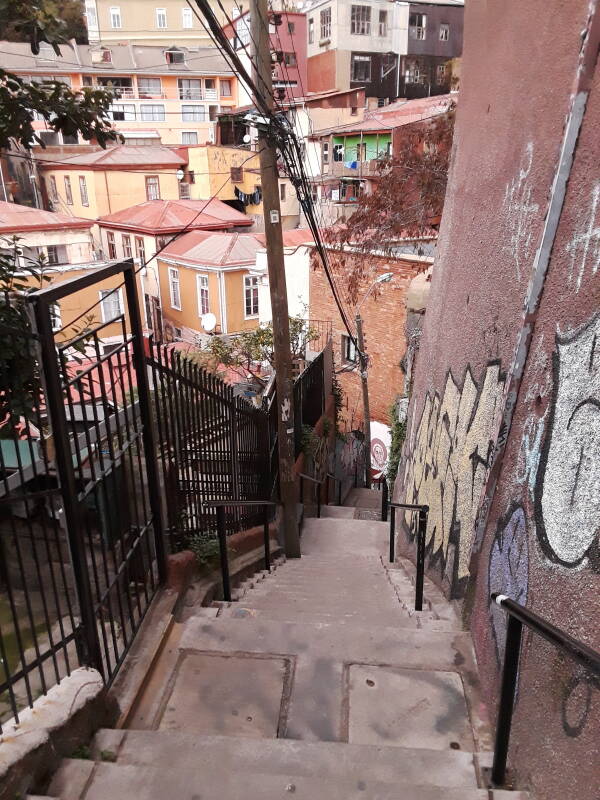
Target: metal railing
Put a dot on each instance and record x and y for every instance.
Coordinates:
(518, 616)
(381, 485)
(421, 533)
(319, 483)
(220, 506)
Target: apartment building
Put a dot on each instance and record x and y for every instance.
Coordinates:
(391, 49)
(167, 94)
(138, 22)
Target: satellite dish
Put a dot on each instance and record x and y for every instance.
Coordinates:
(180, 174)
(247, 138)
(209, 322)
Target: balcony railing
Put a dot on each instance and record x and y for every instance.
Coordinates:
(363, 169)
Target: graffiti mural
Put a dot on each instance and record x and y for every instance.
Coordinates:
(568, 485)
(508, 571)
(447, 461)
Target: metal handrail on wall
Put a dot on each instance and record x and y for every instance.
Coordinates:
(220, 506)
(518, 616)
(303, 476)
(421, 532)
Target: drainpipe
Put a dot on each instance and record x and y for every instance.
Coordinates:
(582, 84)
(222, 302)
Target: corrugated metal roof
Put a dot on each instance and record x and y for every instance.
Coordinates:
(169, 216)
(215, 249)
(15, 218)
(125, 59)
(150, 156)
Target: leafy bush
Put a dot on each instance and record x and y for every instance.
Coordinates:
(205, 546)
(398, 436)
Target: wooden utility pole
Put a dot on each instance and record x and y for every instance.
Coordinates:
(365, 393)
(262, 78)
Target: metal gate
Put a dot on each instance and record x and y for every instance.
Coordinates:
(81, 543)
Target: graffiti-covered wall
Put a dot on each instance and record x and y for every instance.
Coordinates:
(503, 439)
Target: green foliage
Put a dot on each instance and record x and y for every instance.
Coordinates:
(84, 112)
(108, 755)
(205, 546)
(338, 399)
(82, 751)
(326, 427)
(43, 21)
(398, 436)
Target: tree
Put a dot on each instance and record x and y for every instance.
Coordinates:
(245, 352)
(406, 203)
(85, 112)
(68, 13)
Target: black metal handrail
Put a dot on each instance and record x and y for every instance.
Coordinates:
(319, 482)
(421, 531)
(518, 616)
(220, 506)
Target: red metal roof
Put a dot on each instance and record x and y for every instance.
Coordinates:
(227, 249)
(21, 219)
(122, 156)
(170, 216)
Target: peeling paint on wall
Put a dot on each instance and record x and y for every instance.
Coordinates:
(568, 487)
(447, 463)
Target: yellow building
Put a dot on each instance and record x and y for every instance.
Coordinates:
(205, 273)
(172, 22)
(103, 182)
(163, 94)
(233, 174)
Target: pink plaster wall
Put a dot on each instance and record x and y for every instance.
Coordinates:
(541, 543)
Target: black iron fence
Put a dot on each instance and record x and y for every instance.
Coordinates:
(80, 523)
(211, 446)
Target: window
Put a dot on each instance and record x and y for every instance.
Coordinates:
(417, 26)
(225, 88)
(290, 59)
(338, 152)
(189, 89)
(210, 88)
(83, 191)
(354, 111)
(174, 290)
(175, 56)
(140, 249)
(189, 137)
(152, 187)
(115, 17)
(383, 23)
(291, 27)
(325, 152)
(68, 191)
(101, 56)
(52, 254)
(91, 17)
(360, 20)
(202, 286)
(126, 243)
(112, 245)
(444, 32)
(413, 72)
(314, 192)
(237, 174)
(282, 192)
(161, 17)
(213, 113)
(53, 189)
(311, 30)
(187, 20)
(152, 113)
(326, 23)
(149, 87)
(361, 68)
(184, 191)
(440, 74)
(193, 113)
(251, 295)
(111, 304)
(361, 151)
(122, 111)
(349, 353)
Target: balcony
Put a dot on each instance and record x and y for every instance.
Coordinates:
(363, 169)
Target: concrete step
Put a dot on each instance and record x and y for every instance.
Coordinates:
(337, 512)
(230, 782)
(283, 757)
(291, 615)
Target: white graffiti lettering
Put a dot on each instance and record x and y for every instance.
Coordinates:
(584, 247)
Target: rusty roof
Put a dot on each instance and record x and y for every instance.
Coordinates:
(15, 218)
(171, 216)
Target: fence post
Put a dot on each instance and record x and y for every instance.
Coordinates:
(510, 673)
(266, 540)
(421, 530)
(150, 452)
(88, 643)
(223, 553)
(392, 534)
(318, 500)
(384, 500)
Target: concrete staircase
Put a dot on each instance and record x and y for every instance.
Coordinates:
(320, 681)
